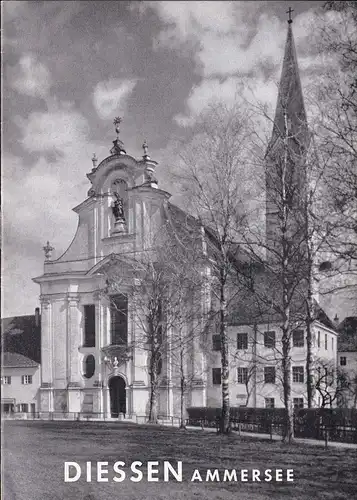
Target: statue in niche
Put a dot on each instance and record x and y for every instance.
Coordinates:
(118, 208)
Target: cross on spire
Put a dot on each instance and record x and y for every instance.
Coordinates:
(290, 11)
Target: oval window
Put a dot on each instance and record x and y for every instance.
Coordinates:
(89, 366)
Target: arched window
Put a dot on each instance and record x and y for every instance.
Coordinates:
(89, 366)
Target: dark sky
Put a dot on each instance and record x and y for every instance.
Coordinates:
(70, 67)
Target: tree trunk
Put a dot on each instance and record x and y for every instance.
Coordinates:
(182, 392)
(309, 379)
(153, 396)
(286, 296)
(225, 416)
(182, 424)
(309, 308)
(286, 365)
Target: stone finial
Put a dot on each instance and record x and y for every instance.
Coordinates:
(145, 148)
(336, 319)
(117, 121)
(94, 161)
(48, 251)
(118, 148)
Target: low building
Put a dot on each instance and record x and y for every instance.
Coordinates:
(20, 381)
(255, 366)
(347, 362)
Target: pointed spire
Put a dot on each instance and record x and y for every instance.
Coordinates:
(290, 115)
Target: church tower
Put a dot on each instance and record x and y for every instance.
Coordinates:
(285, 160)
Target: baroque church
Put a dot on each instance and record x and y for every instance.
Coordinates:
(82, 364)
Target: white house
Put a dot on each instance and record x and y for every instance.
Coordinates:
(20, 383)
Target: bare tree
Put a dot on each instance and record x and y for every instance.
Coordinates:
(335, 109)
(155, 282)
(329, 383)
(347, 388)
(212, 172)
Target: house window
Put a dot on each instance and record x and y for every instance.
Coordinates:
(22, 407)
(269, 374)
(6, 380)
(216, 376)
(332, 343)
(89, 366)
(26, 379)
(325, 266)
(298, 403)
(298, 338)
(242, 375)
(89, 325)
(298, 374)
(119, 319)
(326, 341)
(269, 403)
(269, 339)
(242, 341)
(216, 342)
(318, 338)
(343, 361)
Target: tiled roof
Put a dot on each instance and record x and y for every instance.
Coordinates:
(21, 335)
(14, 360)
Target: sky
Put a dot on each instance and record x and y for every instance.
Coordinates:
(70, 67)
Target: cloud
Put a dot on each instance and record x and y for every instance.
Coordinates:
(230, 91)
(188, 21)
(237, 48)
(30, 77)
(204, 93)
(39, 195)
(233, 42)
(60, 129)
(111, 97)
(11, 10)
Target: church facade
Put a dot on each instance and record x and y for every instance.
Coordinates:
(90, 362)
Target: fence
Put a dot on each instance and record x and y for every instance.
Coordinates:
(59, 415)
(315, 423)
(95, 417)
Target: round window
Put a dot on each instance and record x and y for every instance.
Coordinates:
(89, 366)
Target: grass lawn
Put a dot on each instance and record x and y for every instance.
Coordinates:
(34, 454)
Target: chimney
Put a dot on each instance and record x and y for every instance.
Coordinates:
(37, 317)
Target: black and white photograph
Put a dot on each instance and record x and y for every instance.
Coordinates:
(179, 250)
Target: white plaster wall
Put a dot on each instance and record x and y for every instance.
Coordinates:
(20, 392)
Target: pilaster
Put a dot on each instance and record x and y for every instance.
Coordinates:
(46, 341)
(73, 341)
